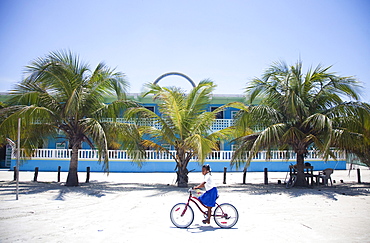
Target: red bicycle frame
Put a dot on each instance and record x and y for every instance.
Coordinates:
(196, 201)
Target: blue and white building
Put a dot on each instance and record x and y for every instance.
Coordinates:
(55, 152)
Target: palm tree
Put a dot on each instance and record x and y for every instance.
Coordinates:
(355, 138)
(298, 111)
(184, 124)
(63, 95)
(2, 137)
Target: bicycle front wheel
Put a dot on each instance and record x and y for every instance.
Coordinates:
(182, 215)
(291, 182)
(226, 215)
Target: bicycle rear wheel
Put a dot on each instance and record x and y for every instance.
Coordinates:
(291, 182)
(182, 215)
(226, 215)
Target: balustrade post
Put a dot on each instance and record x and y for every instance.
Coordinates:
(59, 168)
(36, 174)
(266, 176)
(225, 175)
(15, 173)
(359, 176)
(87, 174)
(244, 175)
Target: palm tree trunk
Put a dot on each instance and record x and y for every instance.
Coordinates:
(301, 180)
(72, 179)
(182, 176)
(182, 172)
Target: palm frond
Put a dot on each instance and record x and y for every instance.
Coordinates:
(62, 93)
(200, 146)
(93, 129)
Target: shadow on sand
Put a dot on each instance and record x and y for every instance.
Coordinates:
(198, 228)
(330, 192)
(100, 189)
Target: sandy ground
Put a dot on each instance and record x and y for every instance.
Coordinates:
(134, 207)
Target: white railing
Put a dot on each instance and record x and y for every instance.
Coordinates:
(154, 155)
(220, 124)
(217, 125)
(141, 122)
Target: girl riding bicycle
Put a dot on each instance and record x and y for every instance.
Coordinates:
(211, 194)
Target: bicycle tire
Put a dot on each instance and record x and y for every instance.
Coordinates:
(291, 182)
(180, 218)
(226, 215)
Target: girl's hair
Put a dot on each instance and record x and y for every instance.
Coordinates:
(207, 167)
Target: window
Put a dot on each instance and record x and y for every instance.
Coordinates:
(60, 145)
(220, 115)
(151, 108)
(233, 114)
(166, 146)
(234, 147)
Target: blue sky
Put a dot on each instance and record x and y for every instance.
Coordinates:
(230, 42)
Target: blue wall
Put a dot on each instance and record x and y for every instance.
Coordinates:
(51, 143)
(169, 166)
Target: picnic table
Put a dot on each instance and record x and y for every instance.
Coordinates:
(308, 173)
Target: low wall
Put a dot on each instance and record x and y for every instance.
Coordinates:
(169, 165)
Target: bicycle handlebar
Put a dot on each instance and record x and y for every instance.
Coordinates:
(191, 189)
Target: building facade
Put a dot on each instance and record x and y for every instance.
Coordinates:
(54, 152)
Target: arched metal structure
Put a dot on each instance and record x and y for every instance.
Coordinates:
(174, 73)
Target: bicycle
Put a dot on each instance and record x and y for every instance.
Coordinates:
(182, 214)
(292, 179)
(291, 182)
